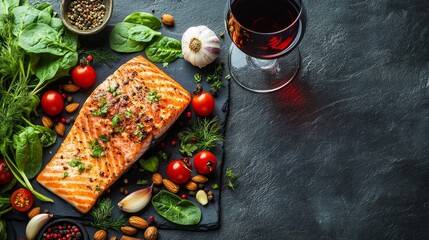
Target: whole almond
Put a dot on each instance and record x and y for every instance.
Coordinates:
(167, 20)
(200, 179)
(72, 107)
(191, 186)
(100, 235)
(47, 122)
(125, 237)
(60, 128)
(70, 87)
(113, 238)
(171, 186)
(33, 212)
(151, 233)
(128, 230)
(138, 222)
(157, 179)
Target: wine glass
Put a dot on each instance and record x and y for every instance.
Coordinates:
(264, 56)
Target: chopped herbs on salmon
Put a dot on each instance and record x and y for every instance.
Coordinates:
(97, 150)
(153, 96)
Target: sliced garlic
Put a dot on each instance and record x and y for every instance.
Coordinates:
(35, 224)
(136, 200)
(200, 46)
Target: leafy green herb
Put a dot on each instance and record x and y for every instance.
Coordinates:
(153, 96)
(116, 120)
(114, 91)
(150, 164)
(215, 79)
(142, 182)
(104, 109)
(215, 186)
(177, 210)
(128, 114)
(207, 133)
(163, 155)
(97, 150)
(97, 188)
(165, 64)
(231, 178)
(81, 166)
(164, 50)
(65, 174)
(104, 138)
(103, 216)
(198, 78)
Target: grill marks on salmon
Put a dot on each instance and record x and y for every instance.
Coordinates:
(116, 125)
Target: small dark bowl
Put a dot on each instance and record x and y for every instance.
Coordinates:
(85, 235)
(67, 23)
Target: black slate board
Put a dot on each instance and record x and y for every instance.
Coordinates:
(182, 72)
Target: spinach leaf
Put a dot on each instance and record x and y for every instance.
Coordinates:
(47, 136)
(145, 19)
(29, 152)
(42, 38)
(57, 24)
(175, 209)
(27, 15)
(120, 41)
(142, 33)
(164, 50)
(7, 5)
(151, 164)
(46, 7)
(31, 104)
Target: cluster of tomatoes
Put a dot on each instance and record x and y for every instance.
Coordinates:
(179, 171)
(83, 75)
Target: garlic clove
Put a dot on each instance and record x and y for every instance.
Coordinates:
(202, 197)
(200, 46)
(35, 225)
(136, 200)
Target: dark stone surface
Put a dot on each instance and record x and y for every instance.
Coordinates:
(342, 152)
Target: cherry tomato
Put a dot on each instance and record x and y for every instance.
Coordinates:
(22, 200)
(5, 173)
(178, 172)
(52, 103)
(89, 57)
(205, 162)
(83, 75)
(203, 103)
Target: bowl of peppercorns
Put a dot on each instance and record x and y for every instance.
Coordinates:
(85, 17)
(68, 229)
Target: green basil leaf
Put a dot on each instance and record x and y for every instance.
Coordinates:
(164, 50)
(145, 19)
(142, 33)
(120, 41)
(177, 210)
(29, 152)
(151, 164)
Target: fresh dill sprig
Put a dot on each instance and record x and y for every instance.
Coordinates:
(103, 216)
(203, 135)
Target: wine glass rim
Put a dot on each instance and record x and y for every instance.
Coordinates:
(271, 33)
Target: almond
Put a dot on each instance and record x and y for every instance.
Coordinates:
(157, 179)
(191, 186)
(167, 20)
(70, 87)
(124, 237)
(113, 238)
(138, 222)
(151, 233)
(171, 186)
(60, 128)
(72, 107)
(33, 212)
(100, 235)
(128, 230)
(47, 122)
(200, 179)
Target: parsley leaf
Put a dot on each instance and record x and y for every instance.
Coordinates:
(231, 178)
(104, 138)
(97, 150)
(153, 96)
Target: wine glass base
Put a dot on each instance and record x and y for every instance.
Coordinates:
(263, 75)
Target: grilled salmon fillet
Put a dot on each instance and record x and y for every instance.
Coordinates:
(115, 126)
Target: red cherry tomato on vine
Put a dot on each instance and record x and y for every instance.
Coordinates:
(203, 104)
(22, 200)
(83, 75)
(5, 173)
(205, 162)
(52, 103)
(178, 172)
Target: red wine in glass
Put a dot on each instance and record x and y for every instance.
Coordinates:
(265, 29)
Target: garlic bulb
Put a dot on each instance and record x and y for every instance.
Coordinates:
(200, 46)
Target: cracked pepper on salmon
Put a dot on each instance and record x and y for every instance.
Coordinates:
(115, 127)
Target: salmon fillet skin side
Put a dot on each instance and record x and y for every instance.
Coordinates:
(116, 125)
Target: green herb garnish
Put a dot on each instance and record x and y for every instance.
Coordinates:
(114, 91)
(215, 186)
(104, 138)
(65, 174)
(197, 77)
(128, 114)
(116, 119)
(207, 133)
(104, 109)
(153, 96)
(97, 150)
(231, 178)
(81, 166)
(142, 182)
(103, 216)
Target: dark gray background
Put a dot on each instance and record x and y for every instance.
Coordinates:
(342, 153)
